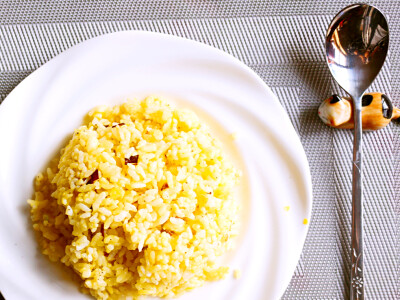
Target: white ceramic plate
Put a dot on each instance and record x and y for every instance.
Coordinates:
(45, 108)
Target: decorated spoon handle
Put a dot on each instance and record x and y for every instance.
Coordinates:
(357, 280)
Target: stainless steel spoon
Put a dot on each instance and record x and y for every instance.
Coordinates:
(357, 41)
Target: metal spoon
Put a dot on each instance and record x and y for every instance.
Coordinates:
(357, 41)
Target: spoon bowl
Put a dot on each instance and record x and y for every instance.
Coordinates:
(356, 46)
(357, 42)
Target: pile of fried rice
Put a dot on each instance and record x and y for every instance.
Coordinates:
(140, 202)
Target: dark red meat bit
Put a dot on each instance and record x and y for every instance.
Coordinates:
(132, 160)
(93, 177)
(165, 186)
(120, 124)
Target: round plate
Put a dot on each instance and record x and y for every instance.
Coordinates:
(39, 114)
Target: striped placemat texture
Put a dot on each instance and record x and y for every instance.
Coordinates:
(283, 41)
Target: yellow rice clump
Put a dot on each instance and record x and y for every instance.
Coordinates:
(154, 227)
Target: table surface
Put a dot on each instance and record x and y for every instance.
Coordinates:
(283, 41)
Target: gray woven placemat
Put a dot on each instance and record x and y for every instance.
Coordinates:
(283, 41)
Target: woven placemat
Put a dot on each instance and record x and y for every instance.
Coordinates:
(283, 41)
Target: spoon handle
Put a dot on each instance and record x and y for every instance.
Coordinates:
(357, 278)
